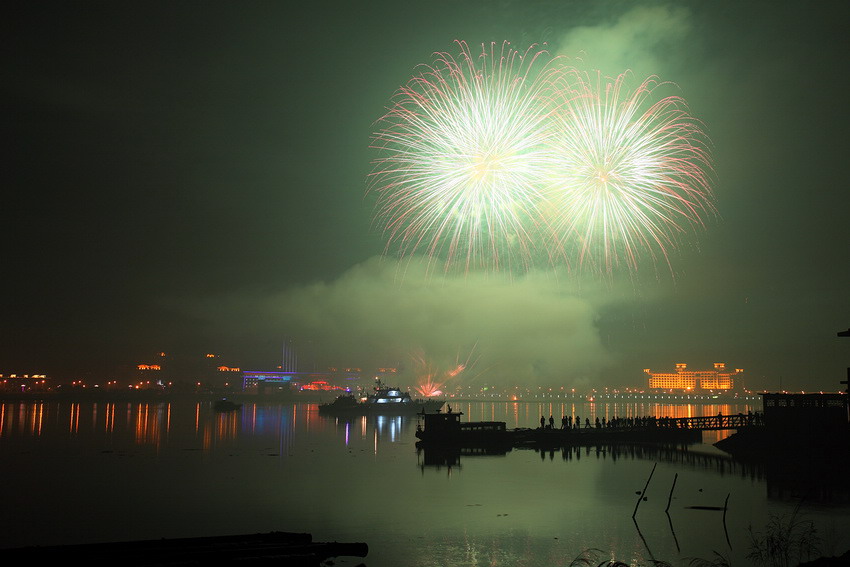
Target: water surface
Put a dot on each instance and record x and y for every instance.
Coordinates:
(92, 472)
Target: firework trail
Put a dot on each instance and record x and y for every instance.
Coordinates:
(509, 159)
(464, 150)
(630, 176)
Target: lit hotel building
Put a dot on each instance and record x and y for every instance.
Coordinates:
(683, 379)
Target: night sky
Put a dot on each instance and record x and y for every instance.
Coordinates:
(190, 177)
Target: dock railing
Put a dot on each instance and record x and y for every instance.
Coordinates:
(712, 422)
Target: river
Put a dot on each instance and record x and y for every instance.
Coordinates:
(114, 471)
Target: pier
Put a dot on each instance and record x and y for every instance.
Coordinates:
(446, 429)
(713, 422)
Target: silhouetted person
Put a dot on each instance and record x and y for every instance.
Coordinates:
(551, 422)
(563, 422)
(597, 423)
(578, 422)
(542, 422)
(587, 423)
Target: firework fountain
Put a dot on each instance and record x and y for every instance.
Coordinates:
(430, 379)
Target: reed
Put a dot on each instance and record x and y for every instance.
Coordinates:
(786, 541)
(718, 561)
(586, 558)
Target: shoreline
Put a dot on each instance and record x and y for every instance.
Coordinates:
(296, 397)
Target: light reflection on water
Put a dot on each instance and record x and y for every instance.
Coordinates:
(78, 472)
(152, 421)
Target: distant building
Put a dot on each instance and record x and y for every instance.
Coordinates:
(811, 413)
(25, 383)
(683, 379)
(264, 381)
(252, 380)
(269, 381)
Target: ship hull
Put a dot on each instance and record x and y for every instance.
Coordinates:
(386, 409)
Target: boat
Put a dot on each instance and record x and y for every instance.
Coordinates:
(445, 429)
(382, 401)
(342, 405)
(225, 405)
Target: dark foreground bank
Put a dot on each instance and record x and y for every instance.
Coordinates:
(278, 548)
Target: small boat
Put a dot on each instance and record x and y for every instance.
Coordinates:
(343, 406)
(446, 429)
(383, 401)
(225, 405)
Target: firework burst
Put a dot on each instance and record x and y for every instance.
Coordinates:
(464, 151)
(630, 175)
(510, 158)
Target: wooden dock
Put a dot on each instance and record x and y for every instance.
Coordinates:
(446, 429)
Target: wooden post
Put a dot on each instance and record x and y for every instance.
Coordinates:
(846, 405)
(670, 497)
(667, 512)
(644, 490)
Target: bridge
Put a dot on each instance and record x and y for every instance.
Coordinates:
(711, 423)
(662, 430)
(704, 423)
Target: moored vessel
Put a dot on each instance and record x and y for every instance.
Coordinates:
(382, 401)
(445, 428)
(225, 405)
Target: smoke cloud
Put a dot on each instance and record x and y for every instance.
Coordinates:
(535, 329)
(645, 40)
(529, 330)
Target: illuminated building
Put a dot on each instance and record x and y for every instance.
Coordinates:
(683, 379)
(24, 383)
(333, 379)
(271, 381)
(254, 379)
